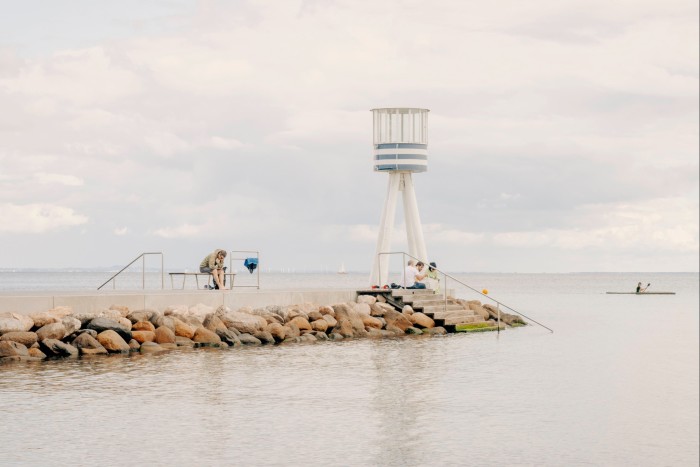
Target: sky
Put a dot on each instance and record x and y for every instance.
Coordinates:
(563, 135)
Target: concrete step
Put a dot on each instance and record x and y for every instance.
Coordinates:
(411, 299)
(441, 308)
(454, 320)
(405, 292)
(428, 303)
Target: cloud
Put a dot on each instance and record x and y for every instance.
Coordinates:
(668, 224)
(121, 231)
(61, 179)
(181, 231)
(37, 218)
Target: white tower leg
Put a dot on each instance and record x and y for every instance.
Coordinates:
(414, 227)
(386, 226)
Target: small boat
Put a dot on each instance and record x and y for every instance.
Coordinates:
(642, 293)
(342, 269)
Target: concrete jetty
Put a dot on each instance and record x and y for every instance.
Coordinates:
(85, 301)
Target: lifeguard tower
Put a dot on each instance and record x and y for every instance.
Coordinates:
(400, 150)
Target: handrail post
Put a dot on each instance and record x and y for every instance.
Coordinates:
(445, 292)
(498, 309)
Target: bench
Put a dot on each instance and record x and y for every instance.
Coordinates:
(229, 282)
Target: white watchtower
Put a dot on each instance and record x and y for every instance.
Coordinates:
(400, 149)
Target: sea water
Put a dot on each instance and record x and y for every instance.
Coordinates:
(615, 384)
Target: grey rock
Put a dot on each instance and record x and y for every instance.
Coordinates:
(105, 324)
(13, 349)
(265, 337)
(51, 331)
(27, 338)
(56, 348)
(247, 339)
(229, 337)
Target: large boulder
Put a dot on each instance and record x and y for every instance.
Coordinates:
(159, 320)
(349, 321)
(204, 336)
(36, 353)
(85, 317)
(143, 336)
(105, 324)
(88, 345)
(140, 315)
(247, 339)
(302, 323)
(56, 348)
(150, 347)
(326, 310)
(371, 322)
(71, 324)
(332, 322)
(143, 326)
(51, 331)
(265, 337)
(13, 349)
(183, 329)
(212, 323)
(25, 338)
(14, 322)
(122, 309)
(278, 331)
(320, 325)
(368, 299)
(229, 337)
(113, 342)
(42, 318)
(165, 335)
(362, 308)
(421, 320)
(243, 322)
(397, 320)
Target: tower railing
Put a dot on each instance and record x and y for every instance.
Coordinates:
(142, 256)
(498, 303)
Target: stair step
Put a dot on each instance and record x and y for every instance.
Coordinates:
(423, 297)
(404, 292)
(442, 308)
(429, 303)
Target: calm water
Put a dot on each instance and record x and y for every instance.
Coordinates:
(616, 384)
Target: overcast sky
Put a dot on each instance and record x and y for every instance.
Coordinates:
(563, 135)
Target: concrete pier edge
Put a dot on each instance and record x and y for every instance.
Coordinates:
(82, 301)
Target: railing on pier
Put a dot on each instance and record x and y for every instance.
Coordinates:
(142, 256)
(498, 303)
(257, 269)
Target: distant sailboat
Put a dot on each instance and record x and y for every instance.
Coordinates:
(342, 269)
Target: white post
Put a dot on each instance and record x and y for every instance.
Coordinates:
(386, 226)
(413, 224)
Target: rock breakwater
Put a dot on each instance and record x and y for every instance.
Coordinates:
(62, 333)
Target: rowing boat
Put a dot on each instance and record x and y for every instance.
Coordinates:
(642, 293)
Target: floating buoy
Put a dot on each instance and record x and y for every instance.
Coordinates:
(485, 292)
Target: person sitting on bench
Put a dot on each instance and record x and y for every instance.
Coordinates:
(214, 265)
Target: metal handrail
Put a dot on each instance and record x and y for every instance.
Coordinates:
(257, 256)
(498, 303)
(143, 271)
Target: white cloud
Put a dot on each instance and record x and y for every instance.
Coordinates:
(37, 218)
(181, 231)
(217, 142)
(61, 179)
(669, 224)
(121, 231)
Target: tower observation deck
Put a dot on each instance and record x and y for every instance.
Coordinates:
(400, 140)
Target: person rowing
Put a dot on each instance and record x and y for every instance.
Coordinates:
(641, 289)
